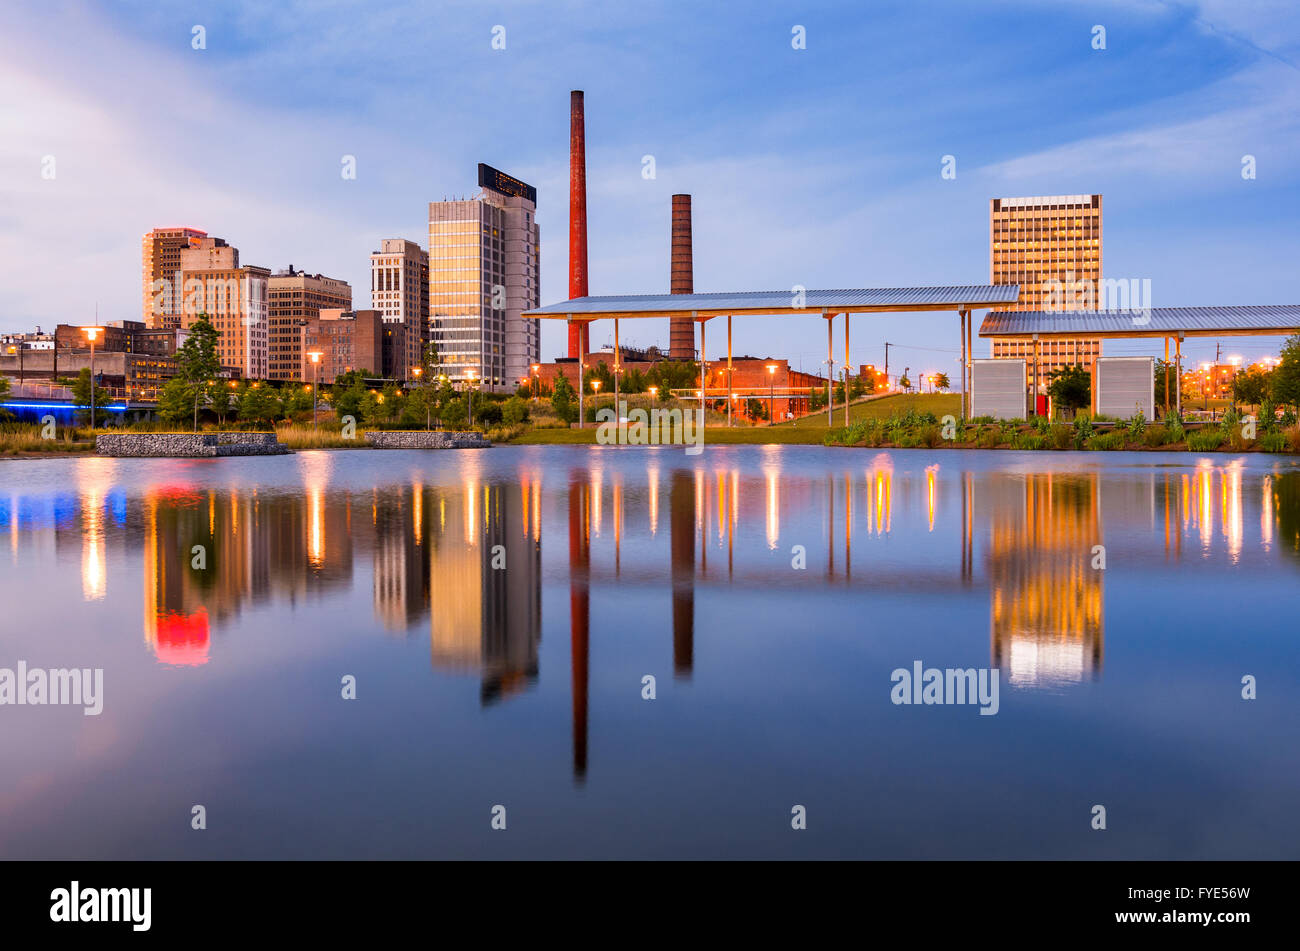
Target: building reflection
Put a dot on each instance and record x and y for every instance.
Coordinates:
(483, 575)
(1045, 597)
(464, 556)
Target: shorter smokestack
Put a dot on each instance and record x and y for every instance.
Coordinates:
(681, 330)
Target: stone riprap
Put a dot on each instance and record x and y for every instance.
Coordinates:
(188, 445)
(422, 439)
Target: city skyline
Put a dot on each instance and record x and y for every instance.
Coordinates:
(1172, 105)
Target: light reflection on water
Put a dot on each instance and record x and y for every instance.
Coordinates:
(757, 578)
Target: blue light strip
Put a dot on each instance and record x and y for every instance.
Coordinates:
(57, 406)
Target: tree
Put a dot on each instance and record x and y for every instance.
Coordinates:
(904, 383)
(346, 394)
(196, 360)
(1251, 387)
(1071, 387)
(4, 386)
(562, 398)
(257, 403)
(1286, 378)
(514, 412)
(176, 400)
(81, 394)
(942, 382)
(454, 413)
(755, 409)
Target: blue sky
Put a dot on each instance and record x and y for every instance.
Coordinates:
(818, 167)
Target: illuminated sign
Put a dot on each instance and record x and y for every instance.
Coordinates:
(499, 181)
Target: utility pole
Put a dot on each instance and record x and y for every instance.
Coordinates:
(886, 364)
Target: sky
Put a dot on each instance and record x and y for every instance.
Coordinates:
(818, 166)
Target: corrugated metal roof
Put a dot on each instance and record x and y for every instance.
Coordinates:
(780, 302)
(1197, 321)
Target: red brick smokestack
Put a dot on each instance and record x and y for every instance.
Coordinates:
(579, 342)
(681, 330)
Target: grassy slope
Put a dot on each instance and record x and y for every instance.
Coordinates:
(809, 430)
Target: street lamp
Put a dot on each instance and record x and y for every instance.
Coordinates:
(771, 393)
(471, 374)
(654, 393)
(595, 386)
(92, 333)
(428, 413)
(315, 388)
(537, 382)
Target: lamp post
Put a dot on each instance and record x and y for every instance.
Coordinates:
(428, 417)
(537, 382)
(771, 393)
(315, 385)
(92, 333)
(582, 413)
(470, 393)
(654, 393)
(595, 386)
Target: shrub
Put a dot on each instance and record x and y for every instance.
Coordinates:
(931, 436)
(1082, 431)
(1029, 441)
(1105, 441)
(1273, 442)
(1176, 433)
(1293, 438)
(1062, 437)
(1157, 435)
(1137, 425)
(514, 411)
(990, 438)
(1205, 440)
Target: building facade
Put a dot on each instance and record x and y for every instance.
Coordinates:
(347, 340)
(234, 299)
(399, 290)
(484, 272)
(1051, 245)
(294, 297)
(160, 262)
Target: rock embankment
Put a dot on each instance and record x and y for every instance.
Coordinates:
(421, 439)
(188, 445)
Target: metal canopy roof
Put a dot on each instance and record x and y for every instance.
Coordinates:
(853, 301)
(1156, 322)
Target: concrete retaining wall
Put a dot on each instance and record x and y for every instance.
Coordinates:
(426, 440)
(188, 445)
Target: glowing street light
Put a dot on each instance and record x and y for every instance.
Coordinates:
(771, 393)
(92, 333)
(315, 377)
(428, 412)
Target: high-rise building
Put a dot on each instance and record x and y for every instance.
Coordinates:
(1051, 246)
(292, 299)
(233, 298)
(399, 289)
(484, 260)
(160, 259)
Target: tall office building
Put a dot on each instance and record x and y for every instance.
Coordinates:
(1051, 246)
(160, 259)
(399, 289)
(484, 260)
(234, 299)
(293, 298)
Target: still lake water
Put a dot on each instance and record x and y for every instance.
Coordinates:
(522, 686)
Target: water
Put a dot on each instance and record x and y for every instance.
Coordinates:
(479, 686)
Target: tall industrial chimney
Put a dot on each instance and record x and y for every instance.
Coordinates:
(681, 330)
(579, 342)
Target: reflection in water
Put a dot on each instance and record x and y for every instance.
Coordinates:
(464, 553)
(1045, 595)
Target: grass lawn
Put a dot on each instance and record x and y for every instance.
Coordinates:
(810, 430)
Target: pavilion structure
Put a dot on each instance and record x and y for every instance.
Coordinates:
(827, 304)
